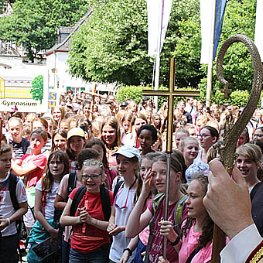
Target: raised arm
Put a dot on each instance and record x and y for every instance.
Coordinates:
(138, 219)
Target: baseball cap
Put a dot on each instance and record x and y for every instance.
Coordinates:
(75, 132)
(129, 152)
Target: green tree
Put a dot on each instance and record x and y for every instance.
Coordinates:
(239, 19)
(112, 46)
(33, 23)
(37, 88)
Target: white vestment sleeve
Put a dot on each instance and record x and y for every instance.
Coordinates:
(241, 245)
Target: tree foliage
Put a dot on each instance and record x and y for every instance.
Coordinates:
(112, 45)
(37, 88)
(239, 19)
(34, 23)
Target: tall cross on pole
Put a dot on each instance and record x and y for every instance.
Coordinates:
(171, 93)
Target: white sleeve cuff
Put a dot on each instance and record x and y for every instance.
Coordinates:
(241, 245)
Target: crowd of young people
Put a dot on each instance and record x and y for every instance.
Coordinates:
(89, 180)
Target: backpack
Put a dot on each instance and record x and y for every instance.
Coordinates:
(72, 182)
(105, 201)
(12, 190)
(178, 211)
(120, 184)
(178, 217)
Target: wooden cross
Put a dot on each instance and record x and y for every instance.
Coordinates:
(171, 93)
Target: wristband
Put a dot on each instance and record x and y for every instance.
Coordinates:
(129, 250)
(8, 220)
(176, 241)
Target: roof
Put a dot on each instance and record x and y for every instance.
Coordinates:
(65, 44)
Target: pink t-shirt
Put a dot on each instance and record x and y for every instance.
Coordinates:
(40, 162)
(189, 243)
(157, 242)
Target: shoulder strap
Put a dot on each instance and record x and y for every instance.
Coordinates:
(191, 256)
(44, 197)
(156, 201)
(76, 200)
(72, 181)
(155, 204)
(119, 184)
(105, 201)
(12, 190)
(178, 211)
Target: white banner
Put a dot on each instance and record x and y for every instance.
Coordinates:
(207, 24)
(158, 18)
(258, 28)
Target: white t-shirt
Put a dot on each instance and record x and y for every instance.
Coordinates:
(48, 210)
(124, 203)
(6, 206)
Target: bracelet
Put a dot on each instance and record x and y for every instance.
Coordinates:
(129, 250)
(176, 241)
(8, 220)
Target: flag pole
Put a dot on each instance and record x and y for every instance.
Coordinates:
(158, 54)
(211, 59)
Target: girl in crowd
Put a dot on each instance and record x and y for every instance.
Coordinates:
(87, 110)
(127, 164)
(59, 140)
(147, 135)
(140, 120)
(145, 166)
(243, 138)
(139, 218)
(67, 184)
(99, 146)
(64, 124)
(157, 121)
(58, 114)
(75, 143)
(86, 126)
(32, 167)
(110, 135)
(46, 188)
(195, 242)
(89, 240)
(249, 162)
(208, 136)
(52, 126)
(41, 123)
(189, 147)
(126, 130)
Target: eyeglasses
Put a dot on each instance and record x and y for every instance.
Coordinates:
(258, 135)
(203, 135)
(92, 176)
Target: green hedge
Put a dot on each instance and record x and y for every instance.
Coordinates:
(236, 98)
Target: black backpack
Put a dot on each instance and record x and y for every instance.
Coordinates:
(72, 182)
(105, 201)
(12, 190)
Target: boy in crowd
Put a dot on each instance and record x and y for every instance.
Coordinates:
(13, 205)
(19, 144)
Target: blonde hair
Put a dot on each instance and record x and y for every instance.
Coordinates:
(252, 152)
(185, 141)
